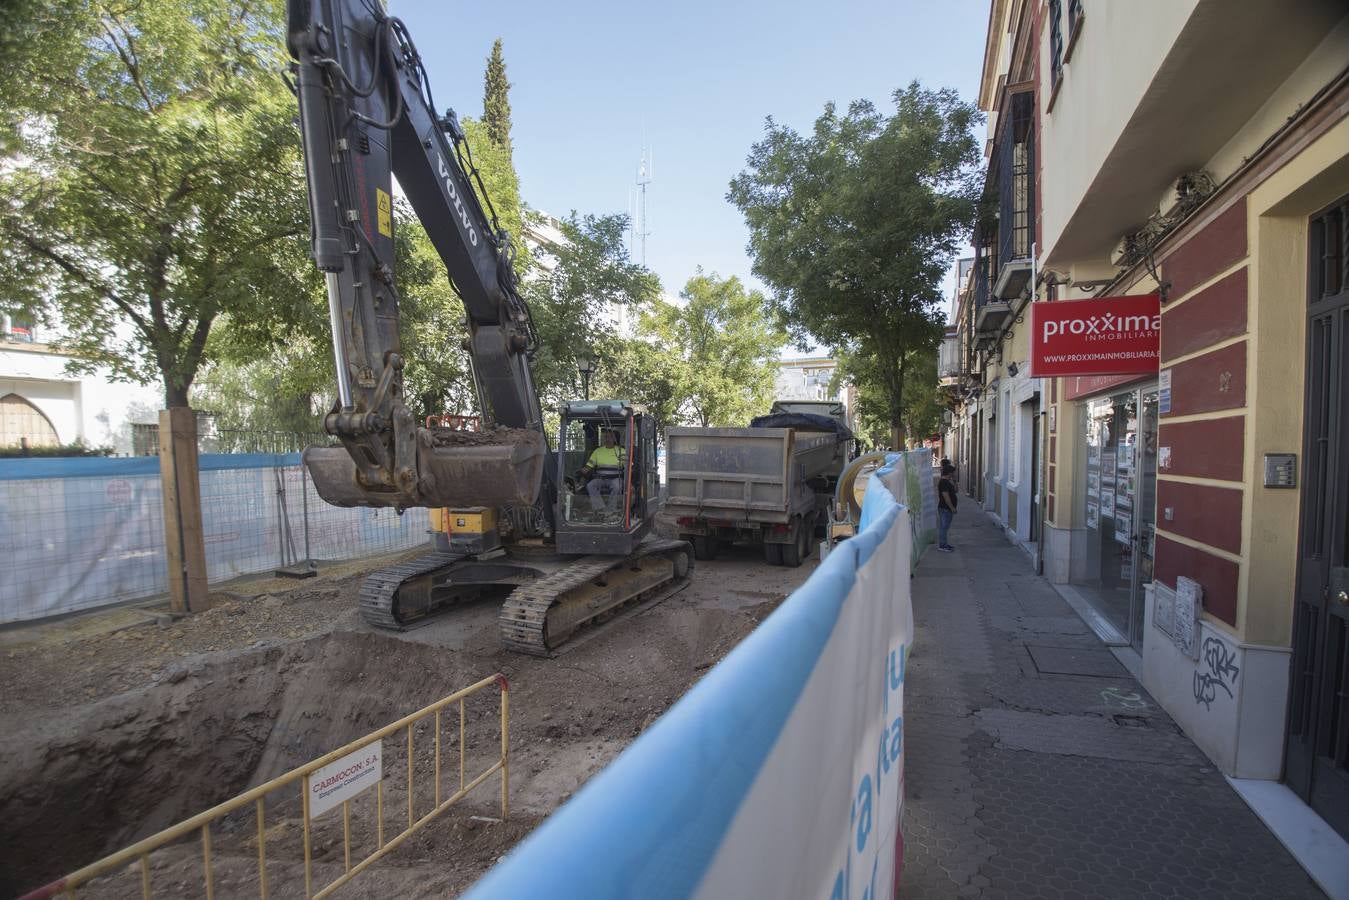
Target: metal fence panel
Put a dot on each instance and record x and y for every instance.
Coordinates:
(82, 533)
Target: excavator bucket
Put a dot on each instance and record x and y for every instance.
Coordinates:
(500, 467)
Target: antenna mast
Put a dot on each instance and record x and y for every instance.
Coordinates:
(640, 223)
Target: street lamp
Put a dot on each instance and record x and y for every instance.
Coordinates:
(585, 366)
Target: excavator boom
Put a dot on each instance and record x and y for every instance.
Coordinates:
(367, 115)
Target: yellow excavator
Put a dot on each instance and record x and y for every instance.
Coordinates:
(507, 509)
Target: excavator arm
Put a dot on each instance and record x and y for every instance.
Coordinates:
(366, 115)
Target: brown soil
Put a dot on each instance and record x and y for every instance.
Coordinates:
(112, 736)
(446, 437)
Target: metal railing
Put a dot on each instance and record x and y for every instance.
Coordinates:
(139, 852)
(252, 440)
(1013, 167)
(985, 262)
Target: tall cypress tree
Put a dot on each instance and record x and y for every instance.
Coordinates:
(496, 103)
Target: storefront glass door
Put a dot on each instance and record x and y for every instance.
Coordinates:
(1120, 489)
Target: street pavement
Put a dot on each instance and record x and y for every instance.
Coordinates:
(1037, 767)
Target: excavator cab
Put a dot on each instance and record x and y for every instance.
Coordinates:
(606, 476)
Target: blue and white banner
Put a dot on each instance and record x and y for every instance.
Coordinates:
(781, 774)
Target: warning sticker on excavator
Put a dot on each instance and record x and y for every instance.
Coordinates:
(385, 222)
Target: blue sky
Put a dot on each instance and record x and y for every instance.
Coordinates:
(590, 78)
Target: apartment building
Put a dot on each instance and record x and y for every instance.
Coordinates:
(1191, 500)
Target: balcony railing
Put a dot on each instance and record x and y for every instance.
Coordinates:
(1013, 165)
(950, 365)
(989, 309)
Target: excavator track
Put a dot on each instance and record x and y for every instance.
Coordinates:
(541, 615)
(379, 591)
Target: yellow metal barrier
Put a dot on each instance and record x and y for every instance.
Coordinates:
(141, 850)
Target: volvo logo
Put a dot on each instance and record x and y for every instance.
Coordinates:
(458, 203)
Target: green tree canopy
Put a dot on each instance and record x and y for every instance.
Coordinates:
(711, 361)
(580, 281)
(499, 177)
(922, 408)
(151, 179)
(854, 225)
(284, 379)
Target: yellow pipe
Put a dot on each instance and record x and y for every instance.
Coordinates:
(379, 815)
(304, 805)
(346, 834)
(206, 860)
(262, 850)
(505, 750)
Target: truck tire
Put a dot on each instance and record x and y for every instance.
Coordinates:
(772, 553)
(704, 547)
(807, 542)
(791, 553)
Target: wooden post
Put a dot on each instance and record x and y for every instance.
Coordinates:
(182, 510)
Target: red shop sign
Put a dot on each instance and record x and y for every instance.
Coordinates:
(1109, 336)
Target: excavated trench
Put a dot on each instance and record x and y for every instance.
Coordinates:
(178, 730)
(133, 764)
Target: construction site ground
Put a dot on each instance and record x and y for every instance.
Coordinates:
(117, 724)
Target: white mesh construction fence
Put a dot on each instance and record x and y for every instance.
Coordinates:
(81, 533)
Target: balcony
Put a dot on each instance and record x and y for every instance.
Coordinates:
(1013, 168)
(1182, 92)
(951, 369)
(989, 310)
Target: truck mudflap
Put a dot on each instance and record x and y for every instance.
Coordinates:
(501, 467)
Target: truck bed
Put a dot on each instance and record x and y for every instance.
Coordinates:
(745, 474)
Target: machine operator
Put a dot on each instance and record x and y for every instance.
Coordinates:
(604, 468)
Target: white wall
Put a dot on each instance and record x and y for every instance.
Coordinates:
(1117, 55)
(90, 408)
(807, 379)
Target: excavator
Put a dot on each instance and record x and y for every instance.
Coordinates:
(506, 509)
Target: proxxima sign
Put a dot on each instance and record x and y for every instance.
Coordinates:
(1109, 336)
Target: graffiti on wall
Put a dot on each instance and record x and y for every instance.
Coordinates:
(1217, 671)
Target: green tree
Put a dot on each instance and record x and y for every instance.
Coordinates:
(580, 281)
(502, 184)
(922, 409)
(712, 360)
(854, 225)
(288, 390)
(647, 372)
(151, 179)
(284, 379)
(496, 101)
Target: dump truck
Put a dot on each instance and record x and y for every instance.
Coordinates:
(769, 484)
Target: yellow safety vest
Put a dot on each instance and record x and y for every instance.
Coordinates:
(607, 461)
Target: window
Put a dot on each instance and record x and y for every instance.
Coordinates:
(144, 440)
(1055, 42)
(1075, 17)
(18, 330)
(1329, 244)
